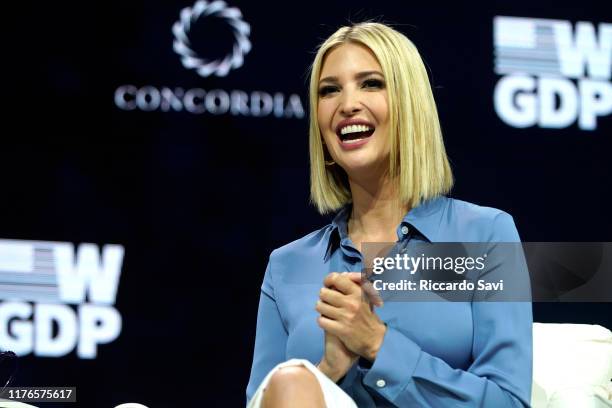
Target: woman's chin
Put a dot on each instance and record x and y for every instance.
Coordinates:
(364, 167)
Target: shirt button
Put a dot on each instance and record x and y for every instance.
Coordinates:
(381, 383)
(405, 230)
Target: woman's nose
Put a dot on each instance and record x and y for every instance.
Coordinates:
(350, 103)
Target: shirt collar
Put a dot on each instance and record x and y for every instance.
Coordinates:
(338, 230)
(340, 221)
(426, 219)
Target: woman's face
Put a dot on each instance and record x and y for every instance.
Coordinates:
(353, 109)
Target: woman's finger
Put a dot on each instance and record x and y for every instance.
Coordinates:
(355, 276)
(330, 326)
(327, 310)
(371, 294)
(331, 297)
(341, 282)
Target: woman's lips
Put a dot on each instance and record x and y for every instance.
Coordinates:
(352, 122)
(354, 132)
(351, 144)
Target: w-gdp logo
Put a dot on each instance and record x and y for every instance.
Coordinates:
(55, 297)
(553, 73)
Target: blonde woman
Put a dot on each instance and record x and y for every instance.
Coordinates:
(377, 159)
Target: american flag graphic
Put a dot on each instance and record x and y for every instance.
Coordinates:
(526, 45)
(28, 272)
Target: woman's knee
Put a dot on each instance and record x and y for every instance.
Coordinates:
(296, 383)
(288, 377)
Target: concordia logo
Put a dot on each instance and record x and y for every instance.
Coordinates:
(552, 74)
(38, 282)
(190, 59)
(215, 101)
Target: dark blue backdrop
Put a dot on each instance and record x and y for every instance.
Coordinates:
(199, 200)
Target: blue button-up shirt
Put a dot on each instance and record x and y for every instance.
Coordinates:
(434, 354)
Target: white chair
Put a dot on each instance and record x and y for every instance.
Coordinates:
(572, 366)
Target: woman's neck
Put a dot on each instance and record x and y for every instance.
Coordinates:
(376, 212)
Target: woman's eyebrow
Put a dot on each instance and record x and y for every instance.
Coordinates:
(329, 79)
(364, 74)
(359, 75)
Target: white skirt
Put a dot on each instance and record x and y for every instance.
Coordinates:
(4, 403)
(333, 395)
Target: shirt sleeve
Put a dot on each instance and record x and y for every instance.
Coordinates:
(270, 336)
(501, 371)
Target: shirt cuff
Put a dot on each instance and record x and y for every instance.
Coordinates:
(347, 381)
(364, 364)
(394, 365)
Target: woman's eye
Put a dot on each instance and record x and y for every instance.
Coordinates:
(373, 83)
(326, 90)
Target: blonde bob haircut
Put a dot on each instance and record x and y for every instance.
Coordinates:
(418, 164)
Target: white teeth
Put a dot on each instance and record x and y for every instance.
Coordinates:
(354, 129)
(352, 141)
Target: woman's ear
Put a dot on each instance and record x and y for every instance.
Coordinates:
(327, 157)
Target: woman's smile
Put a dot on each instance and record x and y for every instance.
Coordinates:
(354, 133)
